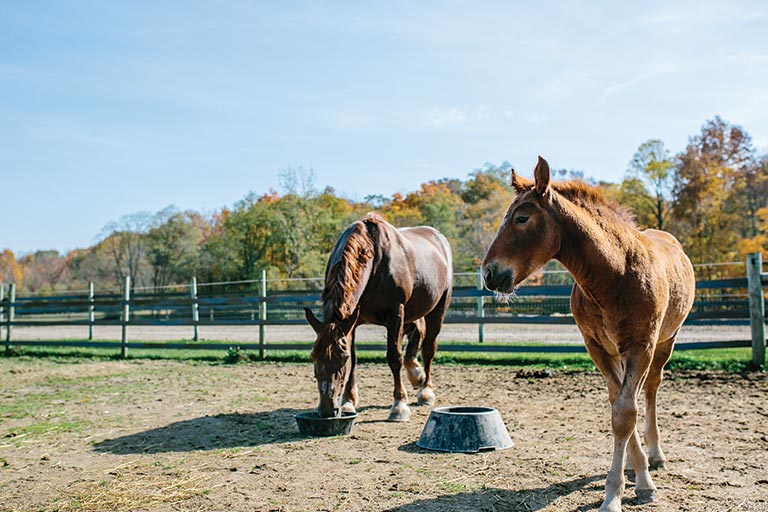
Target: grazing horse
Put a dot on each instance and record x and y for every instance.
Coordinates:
(378, 274)
(632, 293)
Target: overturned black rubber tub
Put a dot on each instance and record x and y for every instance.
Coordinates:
(464, 430)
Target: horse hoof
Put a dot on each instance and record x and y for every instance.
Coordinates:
(399, 416)
(348, 408)
(646, 496)
(425, 396)
(399, 412)
(657, 464)
(613, 505)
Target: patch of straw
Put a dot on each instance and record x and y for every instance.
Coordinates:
(131, 490)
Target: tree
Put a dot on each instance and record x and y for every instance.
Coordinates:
(44, 270)
(125, 241)
(708, 210)
(173, 247)
(648, 184)
(482, 183)
(750, 189)
(10, 271)
(759, 242)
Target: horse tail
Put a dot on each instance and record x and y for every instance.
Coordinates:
(345, 271)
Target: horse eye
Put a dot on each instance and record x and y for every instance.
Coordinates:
(521, 219)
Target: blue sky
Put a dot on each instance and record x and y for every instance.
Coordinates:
(111, 108)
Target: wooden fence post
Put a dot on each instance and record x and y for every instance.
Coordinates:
(262, 313)
(480, 309)
(11, 315)
(195, 307)
(756, 307)
(125, 316)
(2, 308)
(91, 310)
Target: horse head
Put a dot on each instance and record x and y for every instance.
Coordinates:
(528, 236)
(332, 358)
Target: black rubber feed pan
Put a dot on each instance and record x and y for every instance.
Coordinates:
(465, 430)
(312, 424)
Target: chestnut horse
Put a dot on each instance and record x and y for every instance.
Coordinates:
(633, 291)
(378, 274)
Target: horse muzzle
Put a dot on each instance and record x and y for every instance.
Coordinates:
(328, 412)
(497, 279)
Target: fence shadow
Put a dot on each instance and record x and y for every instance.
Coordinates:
(503, 499)
(209, 433)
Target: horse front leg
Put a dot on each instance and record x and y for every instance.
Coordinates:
(624, 412)
(433, 323)
(399, 410)
(611, 368)
(349, 399)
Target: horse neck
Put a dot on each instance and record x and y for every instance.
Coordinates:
(594, 251)
(342, 294)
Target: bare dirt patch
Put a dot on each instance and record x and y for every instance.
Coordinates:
(159, 435)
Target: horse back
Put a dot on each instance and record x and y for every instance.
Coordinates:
(413, 266)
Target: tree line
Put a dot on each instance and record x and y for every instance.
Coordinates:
(713, 196)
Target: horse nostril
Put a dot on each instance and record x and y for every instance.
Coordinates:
(496, 279)
(488, 276)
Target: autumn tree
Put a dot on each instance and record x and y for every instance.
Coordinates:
(10, 270)
(44, 271)
(709, 215)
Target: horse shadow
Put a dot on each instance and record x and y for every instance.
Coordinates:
(493, 499)
(220, 431)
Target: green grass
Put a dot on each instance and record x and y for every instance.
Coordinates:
(17, 434)
(734, 360)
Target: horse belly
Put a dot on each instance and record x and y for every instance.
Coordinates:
(420, 303)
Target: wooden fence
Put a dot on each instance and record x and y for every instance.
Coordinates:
(738, 301)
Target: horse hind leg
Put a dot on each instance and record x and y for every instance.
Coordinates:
(433, 323)
(399, 410)
(413, 369)
(656, 458)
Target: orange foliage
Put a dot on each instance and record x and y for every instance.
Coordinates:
(10, 270)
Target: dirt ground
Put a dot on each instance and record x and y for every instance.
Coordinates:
(162, 436)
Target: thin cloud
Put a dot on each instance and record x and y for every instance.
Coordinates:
(457, 116)
(613, 89)
(440, 118)
(700, 15)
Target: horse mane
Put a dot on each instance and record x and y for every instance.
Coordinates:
(584, 195)
(345, 271)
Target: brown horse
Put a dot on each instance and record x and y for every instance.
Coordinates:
(633, 291)
(378, 274)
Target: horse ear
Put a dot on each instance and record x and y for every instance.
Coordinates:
(520, 184)
(541, 175)
(313, 321)
(349, 324)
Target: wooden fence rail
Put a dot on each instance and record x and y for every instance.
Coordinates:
(739, 301)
